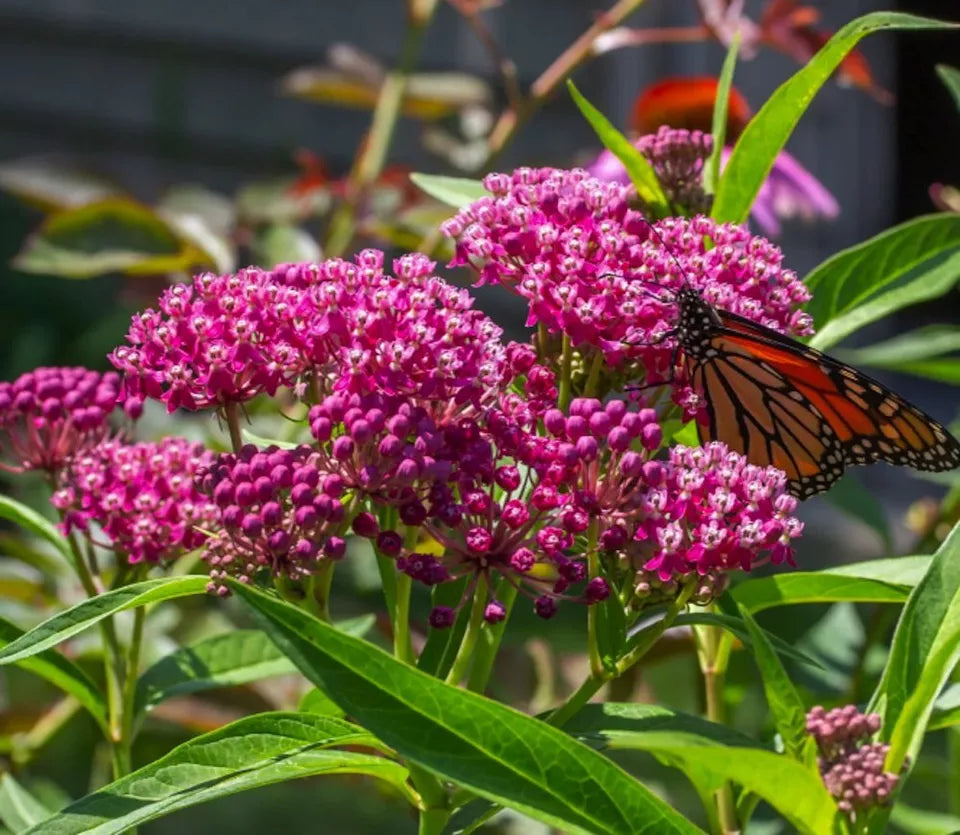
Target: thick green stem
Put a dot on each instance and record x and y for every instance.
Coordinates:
(593, 570)
(593, 377)
(231, 413)
(714, 654)
(434, 803)
(402, 646)
(370, 162)
(131, 667)
(566, 371)
(465, 654)
(576, 700)
(491, 636)
(318, 591)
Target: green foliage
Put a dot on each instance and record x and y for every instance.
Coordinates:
(925, 650)
(711, 171)
(252, 752)
(767, 133)
(480, 744)
(19, 810)
(454, 191)
(924, 352)
(951, 78)
(914, 262)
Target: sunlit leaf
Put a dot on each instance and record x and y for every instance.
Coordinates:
(640, 171)
(767, 133)
(479, 744)
(711, 171)
(913, 262)
(52, 185)
(923, 352)
(454, 191)
(113, 235)
(951, 78)
(19, 810)
(284, 243)
(252, 752)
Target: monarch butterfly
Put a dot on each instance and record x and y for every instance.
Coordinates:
(778, 402)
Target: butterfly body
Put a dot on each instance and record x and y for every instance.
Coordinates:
(778, 402)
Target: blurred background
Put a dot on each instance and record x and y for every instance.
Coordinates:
(234, 113)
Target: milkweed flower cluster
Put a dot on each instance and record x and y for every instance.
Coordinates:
(141, 496)
(49, 414)
(596, 270)
(706, 512)
(677, 156)
(852, 767)
(343, 325)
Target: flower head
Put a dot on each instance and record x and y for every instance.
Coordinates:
(49, 414)
(704, 513)
(279, 512)
(851, 766)
(593, 268)
(141, 496)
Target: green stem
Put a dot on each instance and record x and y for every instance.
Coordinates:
(566, 366)
(953, 755)
(593, 570)
(576, 700)
(714, 654)
(402, 645)
(231, 413)
(593, 377)
(131, 668)
(434, 803)
(373, 155)
(465, 654)
(491, 636)
(318, 591)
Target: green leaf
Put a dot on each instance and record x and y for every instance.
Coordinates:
(711, 171)
(442, 644)
(919, 257)
(794, 790)
(786, 708)
(850, 495)
(60, 672)
(925, 649)
(233, 658)
(66, 624)
(19, 810)
(252, 752)
(454, 191)
(221, 661)
(946, 709)
(920, 352)
(28, 519)
(284, 243)
(476, 743)
(611, 628)
(596, 719)
(316, 701)
(113, 235)
(874, 581)
(923, 822)
(950, 76)
(736, 626)
(638, 169)
(767, 133)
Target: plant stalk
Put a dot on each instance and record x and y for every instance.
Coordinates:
(470, 635)
(231, 413)
(373, 154)
(713, 656)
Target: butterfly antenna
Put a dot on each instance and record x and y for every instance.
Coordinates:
(643, 290)
(669, 251)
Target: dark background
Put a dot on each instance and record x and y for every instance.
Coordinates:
(161, 93)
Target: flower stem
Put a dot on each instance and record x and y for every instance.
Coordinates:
(581, 50)
(470, 635)
(713, 655)
(231, 412)
(566, 369)
(318, 590)
(434, 806)
(593, 570)
(373, 153)
(131, 667)
(491, 635)
(402, 646)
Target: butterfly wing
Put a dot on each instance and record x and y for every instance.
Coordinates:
(779, 402)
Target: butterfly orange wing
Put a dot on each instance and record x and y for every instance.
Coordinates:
(779, 402)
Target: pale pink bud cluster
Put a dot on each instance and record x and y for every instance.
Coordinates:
(852, 767)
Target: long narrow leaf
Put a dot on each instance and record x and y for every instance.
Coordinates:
(478, 744)
(252, 752)
(28, 519)
(711, 171)
(768, 131)
(66, 624)
(640, 171)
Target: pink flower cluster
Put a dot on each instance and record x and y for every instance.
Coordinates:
(852, 767)
(49, 414)
(345, 326)
(699, 515)
(593, 268)
(141, 496)
(279, 511)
